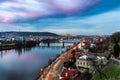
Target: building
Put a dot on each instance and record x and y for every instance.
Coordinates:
(84, 60)
(83, 63)
(101, 60)
(69, 75)
(84, 44)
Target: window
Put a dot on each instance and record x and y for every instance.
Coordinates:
(87, 64)
(78, 62)
(83, 63)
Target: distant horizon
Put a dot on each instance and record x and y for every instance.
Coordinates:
(63, 33)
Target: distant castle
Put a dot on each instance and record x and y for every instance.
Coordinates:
(67, 35)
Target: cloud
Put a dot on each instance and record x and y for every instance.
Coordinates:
(12, 27)
(105, 23)
(24, 10)
(108, 18)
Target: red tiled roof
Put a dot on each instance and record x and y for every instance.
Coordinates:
(79, 50)
(68, 74)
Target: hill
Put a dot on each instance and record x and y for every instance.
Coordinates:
(12, 33)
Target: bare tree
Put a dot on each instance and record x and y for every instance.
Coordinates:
(98, 68)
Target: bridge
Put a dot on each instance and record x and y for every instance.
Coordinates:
(48, 43)
(56, 44)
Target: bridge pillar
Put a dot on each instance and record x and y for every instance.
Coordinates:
(1, 54)
(63, 44)
(48, 43)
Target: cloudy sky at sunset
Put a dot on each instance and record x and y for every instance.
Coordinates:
(61, 16)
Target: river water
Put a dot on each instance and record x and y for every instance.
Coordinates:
(24, 64)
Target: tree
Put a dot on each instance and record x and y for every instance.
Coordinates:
(98, 68)
(116, 50)
(115, 39)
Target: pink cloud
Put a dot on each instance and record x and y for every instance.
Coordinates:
(5, 20)
(32, 9)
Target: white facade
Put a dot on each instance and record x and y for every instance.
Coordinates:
(80, 45)
(102, 59)
(83, 63)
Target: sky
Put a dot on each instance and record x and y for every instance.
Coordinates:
(83, 17)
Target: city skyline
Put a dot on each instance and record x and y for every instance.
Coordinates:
(84, 17)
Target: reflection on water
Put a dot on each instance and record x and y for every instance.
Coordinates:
(24, 63)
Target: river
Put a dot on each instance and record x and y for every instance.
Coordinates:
(24, 64)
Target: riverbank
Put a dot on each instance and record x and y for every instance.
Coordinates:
(50, 72)
(17, 45)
